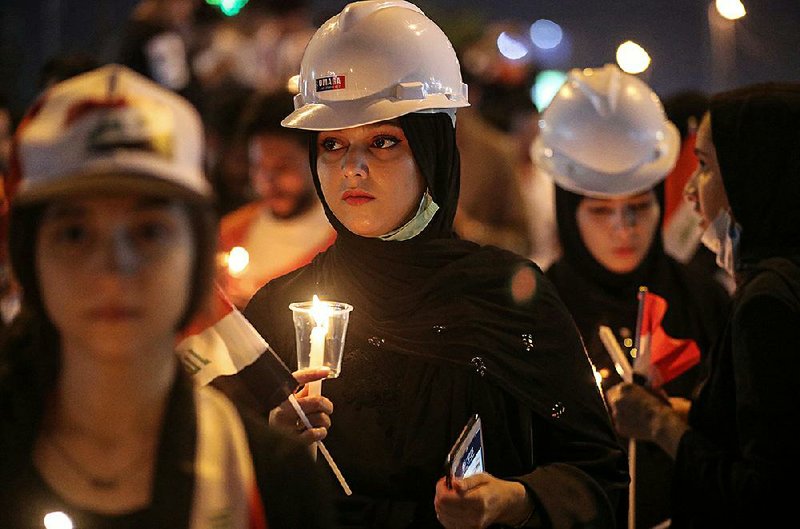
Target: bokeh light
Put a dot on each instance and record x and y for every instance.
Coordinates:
(731, 9)
(510, 47)
(293, 84)
(238, 259)
(546, 86)
(632, 58)
(57, 520)
(546, 34)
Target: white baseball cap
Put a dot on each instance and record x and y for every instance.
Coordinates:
(110, 129)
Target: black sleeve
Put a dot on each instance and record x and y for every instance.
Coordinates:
(580, 468)
(563, 485)
(753, 480)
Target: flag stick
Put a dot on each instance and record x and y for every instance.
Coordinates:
(632, 442)
(322, 449)
(314, 390)
(618, 357)
(632, 487)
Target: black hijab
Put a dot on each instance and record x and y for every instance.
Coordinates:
(756, 133)
(597, 296)
(394, 269)
(403, 291)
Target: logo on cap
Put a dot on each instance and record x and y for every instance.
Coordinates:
(332, 82)
(118, 126)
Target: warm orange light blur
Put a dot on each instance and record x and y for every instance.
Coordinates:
(57, 520)
(731, 9)
(237, 260)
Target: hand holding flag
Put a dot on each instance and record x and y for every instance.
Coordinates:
(660, 358)
(220, 341)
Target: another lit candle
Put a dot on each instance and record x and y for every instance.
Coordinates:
(321, 313)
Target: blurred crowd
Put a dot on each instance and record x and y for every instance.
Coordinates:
(599, 193)
(236, 69)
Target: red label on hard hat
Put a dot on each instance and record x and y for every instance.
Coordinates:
(332, 82)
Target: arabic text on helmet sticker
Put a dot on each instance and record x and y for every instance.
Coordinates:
(331, 82)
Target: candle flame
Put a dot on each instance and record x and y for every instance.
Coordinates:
(237, 260)
(321, 312)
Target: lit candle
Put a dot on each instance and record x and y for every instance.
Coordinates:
(321, 313)
(317, 356)
(621, 363)
(237, 260)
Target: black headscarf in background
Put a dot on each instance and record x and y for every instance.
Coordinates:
(762, 181)
(403, 290)
(597, 296)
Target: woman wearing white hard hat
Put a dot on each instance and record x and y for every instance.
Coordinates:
(608, 145)
(441, 328)
(112, 239)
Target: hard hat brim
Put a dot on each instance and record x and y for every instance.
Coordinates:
(336, 115)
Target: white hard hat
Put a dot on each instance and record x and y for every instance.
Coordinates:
(376, 60)
(605, 134)
(110, 128)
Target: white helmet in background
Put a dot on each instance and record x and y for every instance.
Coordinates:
(376, 60)
(605, 134)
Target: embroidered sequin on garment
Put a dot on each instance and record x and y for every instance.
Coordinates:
(527, 340)
(477, 363)
(376, 341)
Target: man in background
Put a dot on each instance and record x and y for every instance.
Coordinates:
(285, 227)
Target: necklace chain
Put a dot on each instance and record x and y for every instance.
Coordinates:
(97, 482)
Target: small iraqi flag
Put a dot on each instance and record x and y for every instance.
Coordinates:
(220, 341)
(660, 358)
(681, 231)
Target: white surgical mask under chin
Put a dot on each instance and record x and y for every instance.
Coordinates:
(427, 208)
(722, 237)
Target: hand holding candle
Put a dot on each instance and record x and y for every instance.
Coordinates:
(320, 328)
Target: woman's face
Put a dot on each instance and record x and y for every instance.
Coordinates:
(618, 232)
(705, 188)
(115, 272)
(369, 177)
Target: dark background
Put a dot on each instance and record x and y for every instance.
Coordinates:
(764, 45)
